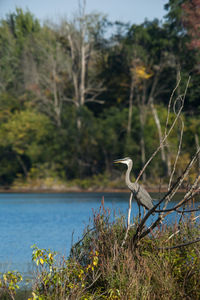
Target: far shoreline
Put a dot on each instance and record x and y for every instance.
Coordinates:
(12, 190)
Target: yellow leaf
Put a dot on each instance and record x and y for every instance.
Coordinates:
(141, 73)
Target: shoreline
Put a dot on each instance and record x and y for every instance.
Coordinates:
(78, 190)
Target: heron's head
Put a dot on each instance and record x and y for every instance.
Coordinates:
(127, 161)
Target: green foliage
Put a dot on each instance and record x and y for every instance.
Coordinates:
(9, 283)
(43, 256)
(8, 61)
(23, 137)
(58, 282)
(9, 166)
(44, 130)
(22, 24)
(25, 131)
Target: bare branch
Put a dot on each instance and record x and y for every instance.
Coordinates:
(188, 211)
(139, 234)
(179, 148)
(171, 236)
(95, 101)
(170, 102)
(181, 245)
(72, 101)
(166, 133)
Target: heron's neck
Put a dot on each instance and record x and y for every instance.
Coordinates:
(128, 181)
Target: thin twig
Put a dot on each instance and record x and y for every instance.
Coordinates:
(159, 147)
(188, 211)
(83, 237)
(166, 133)
(171, 236)
(178, 152)
(181, 245)
(187, 197)
(169, 104)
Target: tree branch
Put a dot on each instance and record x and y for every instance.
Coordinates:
(181, 245)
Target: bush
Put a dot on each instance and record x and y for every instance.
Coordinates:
(99, 267)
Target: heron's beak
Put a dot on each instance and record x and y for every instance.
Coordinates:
(117, 161)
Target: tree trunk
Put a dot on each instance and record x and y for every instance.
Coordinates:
(74, 69)
(169, 165)
(22, 164)
(142, 141)
(130, 110)
(83, 68)
(78, 120)
(57, 107)
(157, 121)
(197, 146)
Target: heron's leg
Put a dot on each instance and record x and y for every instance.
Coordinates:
(129, 210)
(139, 213)
(128, 219)
(144, 212)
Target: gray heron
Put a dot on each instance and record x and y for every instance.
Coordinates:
(139, 193)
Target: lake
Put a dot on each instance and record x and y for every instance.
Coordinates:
(49, 220)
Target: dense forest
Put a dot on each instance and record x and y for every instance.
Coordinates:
(76, 95)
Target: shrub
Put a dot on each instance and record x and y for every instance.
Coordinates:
(101, 266)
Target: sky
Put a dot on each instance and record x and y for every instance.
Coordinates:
(133, 11)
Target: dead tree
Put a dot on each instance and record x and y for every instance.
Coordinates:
(79, 34)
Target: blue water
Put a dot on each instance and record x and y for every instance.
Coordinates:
(48, 220)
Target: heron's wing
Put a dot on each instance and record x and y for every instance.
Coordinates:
(142, 196)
